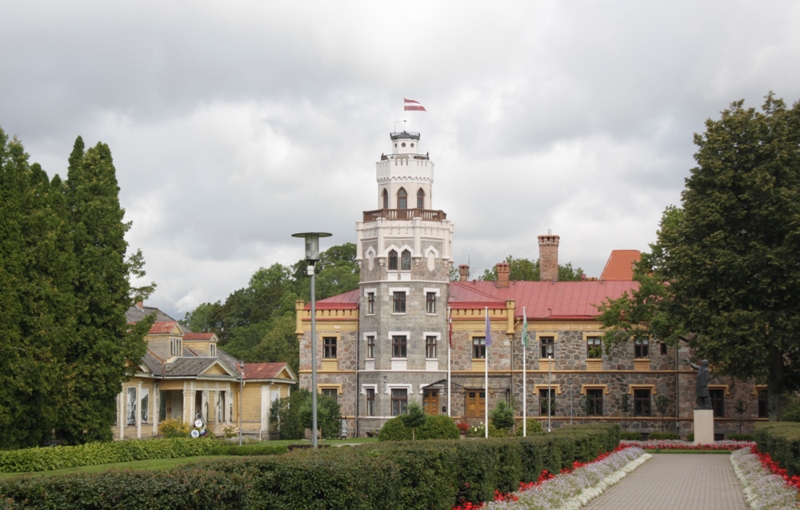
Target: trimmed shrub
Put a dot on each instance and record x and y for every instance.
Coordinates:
(690, 436)
(394, 430)
(248, 450)
(663, 435)
(438, 427)
(173, 428)
(740, 437)
(91, 454)
(534, 427)
(631, 436)
(782, 441)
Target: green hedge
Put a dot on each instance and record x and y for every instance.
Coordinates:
(782, 441)
(435, 427)
(431, 474)
(663, 435)
(91, 454)
(248, 449)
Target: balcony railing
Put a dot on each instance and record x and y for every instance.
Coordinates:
(404, 214)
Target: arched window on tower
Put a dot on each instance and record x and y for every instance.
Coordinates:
(402, 199)
(405, 261)
(420, 199)
(385, 199)
(393, 260)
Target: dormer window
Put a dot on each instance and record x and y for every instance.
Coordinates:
(175, 346)
(392, 260)
(213, 350)
(385, 199)
(420, 199)
(402, 199)
(405, 261)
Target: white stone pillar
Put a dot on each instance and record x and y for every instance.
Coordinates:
(156, 414)
(192, 411)
(264, 412)
(204, 405)
(139, 410)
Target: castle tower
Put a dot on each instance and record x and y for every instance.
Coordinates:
(404, 248)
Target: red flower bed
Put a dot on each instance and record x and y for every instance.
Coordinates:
(680, 445)
(543, 477)
(775, 468)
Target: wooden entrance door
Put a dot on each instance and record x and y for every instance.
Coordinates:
(476, 400)
(430, 402)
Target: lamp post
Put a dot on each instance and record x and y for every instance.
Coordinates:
(549, 391)
(241, 397)
(312, 257)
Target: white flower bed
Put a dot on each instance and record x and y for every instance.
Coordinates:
(576, 489)
(762, 489)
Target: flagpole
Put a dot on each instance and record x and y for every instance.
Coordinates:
(449, 341)
(486, 343)
(524, 373)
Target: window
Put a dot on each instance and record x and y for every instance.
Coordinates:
(641, 348)
(405, 261)
(544, 403)
(402, 199)
(392, 260)
(641, 402)
(717, 402)
(399, 301)
(763, 404)
(420, 199)
(371, 303)
(594, 348)
(547, 344)
(370, 346)
(131, 406)
(399, 401)
(430, 302)
(370, 401)
(430, 347)
(663, 348)
(329, 347)
(331, 392)
(213, 350)
(479, 347)
(175, 346)
(594, 402)
(399, 344)
(385, 199)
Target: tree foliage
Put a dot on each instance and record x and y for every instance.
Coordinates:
(528, 270)
(724, 274)
(257, 323)
(64, 289)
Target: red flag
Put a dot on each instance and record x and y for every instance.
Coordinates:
(410, 105)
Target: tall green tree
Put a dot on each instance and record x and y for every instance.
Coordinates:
(106, 349)
(725, 272)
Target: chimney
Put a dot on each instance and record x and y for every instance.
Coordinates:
(548, 258)
(502, 275)
(140, 305)
(463, 272)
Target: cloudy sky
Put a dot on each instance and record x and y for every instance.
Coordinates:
(235, 124)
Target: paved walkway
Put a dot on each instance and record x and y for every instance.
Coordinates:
(676, 481)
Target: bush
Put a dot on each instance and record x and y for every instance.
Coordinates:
(782, 441)
(533, 427)
(502, 416)
(248, 450)
(410, 475)
(173, 428)
(690, 437)
(631, 436)
(438, 427)
(740, 437)
(394, 430)
(92, 454)
(663, 435)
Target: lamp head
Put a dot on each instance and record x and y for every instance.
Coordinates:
(312, 244)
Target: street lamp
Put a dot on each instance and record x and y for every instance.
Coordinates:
(549, 391)
(312, 257)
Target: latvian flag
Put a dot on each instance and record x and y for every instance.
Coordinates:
(410, 105)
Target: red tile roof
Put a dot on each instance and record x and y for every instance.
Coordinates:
(346, 301)
(262, 370)
(198, 336)
(163, 328)
(620, 265)
(541, 300)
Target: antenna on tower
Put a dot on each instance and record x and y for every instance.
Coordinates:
(395, 124)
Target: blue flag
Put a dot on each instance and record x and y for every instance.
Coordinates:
(488, 329)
